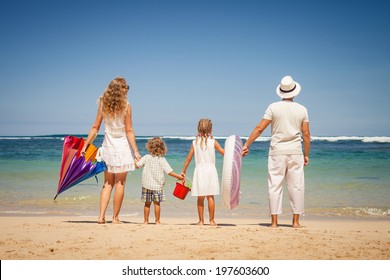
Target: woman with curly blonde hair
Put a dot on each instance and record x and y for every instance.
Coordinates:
(119, 146)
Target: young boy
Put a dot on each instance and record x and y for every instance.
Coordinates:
(153, 176)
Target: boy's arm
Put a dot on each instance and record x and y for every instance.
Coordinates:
(175, 175)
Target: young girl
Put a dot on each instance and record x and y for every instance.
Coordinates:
(118, 141)
(205, 182)
(153, 179)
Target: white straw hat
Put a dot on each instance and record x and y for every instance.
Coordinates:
(288, 88)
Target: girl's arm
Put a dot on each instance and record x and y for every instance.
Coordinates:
(130, 132)
(188, 160)
(94, 130)
(218, 147)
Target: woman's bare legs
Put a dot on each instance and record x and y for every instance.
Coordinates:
(112, 180)
(105, 195)
(120, 181)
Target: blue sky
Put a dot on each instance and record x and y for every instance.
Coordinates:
(187, 60)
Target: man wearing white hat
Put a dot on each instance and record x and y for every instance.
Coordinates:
(289, 121)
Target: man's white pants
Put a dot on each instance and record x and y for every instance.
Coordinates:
(289, 168)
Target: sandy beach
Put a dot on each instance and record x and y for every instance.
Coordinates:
(81, 238)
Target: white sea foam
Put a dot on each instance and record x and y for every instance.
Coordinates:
(368, 211)
(30, 137)
(382, 139)
(365, 139)
(178, 137)
(14, 138)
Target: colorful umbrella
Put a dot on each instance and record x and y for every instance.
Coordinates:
(76, 168)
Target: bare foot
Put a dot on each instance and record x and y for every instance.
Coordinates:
(100, 222)
(158, 223)
(118, 222)
(213, 223)
(200, 224)
(146, 222)
(273, 226)
(297, 226)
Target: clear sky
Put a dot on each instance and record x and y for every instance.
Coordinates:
(187, 60)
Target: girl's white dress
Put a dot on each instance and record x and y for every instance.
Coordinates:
(205, 179)
(116, 151)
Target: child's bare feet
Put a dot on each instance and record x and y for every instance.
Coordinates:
(213, 223)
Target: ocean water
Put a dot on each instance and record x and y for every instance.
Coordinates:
(347, 177)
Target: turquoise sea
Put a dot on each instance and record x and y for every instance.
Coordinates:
(347, 177)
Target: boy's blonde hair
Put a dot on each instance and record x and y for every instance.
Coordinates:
(205, 127)
(113, 101)
(156, 147)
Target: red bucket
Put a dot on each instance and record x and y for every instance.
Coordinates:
(181, 190)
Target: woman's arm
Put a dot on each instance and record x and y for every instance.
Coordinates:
(130, 132)
(94, 130)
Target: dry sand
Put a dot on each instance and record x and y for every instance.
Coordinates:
(81, 238)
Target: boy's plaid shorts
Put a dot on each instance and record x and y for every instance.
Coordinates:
(152, 195)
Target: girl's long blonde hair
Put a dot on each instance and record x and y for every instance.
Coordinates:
(205, 127)
(113, 101)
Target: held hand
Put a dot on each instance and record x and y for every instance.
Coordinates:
(306, 161)
(137, 156)
(245, 151)
(82, 152)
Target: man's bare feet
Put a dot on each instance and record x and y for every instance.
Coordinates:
(297, 226)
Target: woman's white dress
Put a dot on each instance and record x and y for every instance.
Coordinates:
(116, 151)
(205, 179)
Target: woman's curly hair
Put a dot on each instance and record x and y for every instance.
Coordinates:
(113, 101)
(156, 147)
